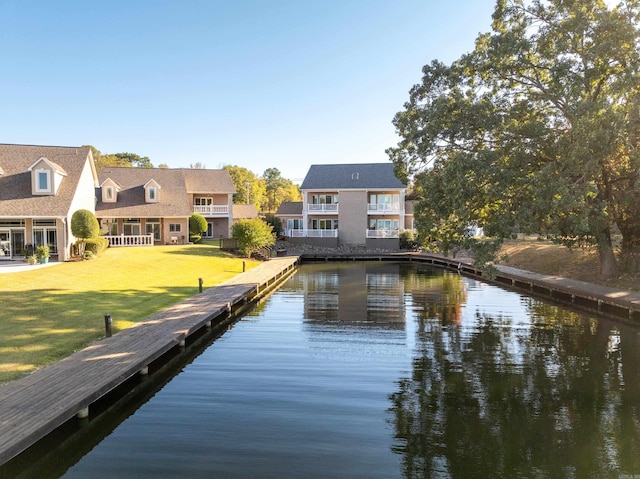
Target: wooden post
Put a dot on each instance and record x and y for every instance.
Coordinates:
(107, 325)
(200, 284)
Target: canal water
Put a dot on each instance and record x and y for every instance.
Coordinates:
(384, 370)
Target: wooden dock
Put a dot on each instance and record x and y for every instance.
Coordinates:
(34, 406)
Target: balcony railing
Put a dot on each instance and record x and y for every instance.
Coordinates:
(130, 240)
(211, 210)
(385, 208)
(383, 234)
(323, 208)
(312, 233)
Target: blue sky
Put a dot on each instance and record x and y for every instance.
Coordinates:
(258, 84)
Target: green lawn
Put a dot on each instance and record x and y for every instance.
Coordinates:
(48, 313)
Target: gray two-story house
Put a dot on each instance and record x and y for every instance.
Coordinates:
(359, 204)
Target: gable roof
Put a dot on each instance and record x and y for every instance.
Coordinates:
(290, 208)
(241, 212)
(52, 164)
(208, 181)
(176, 186)
(351, 176)
(174, 200)
(16, 198)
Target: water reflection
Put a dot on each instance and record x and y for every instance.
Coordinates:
(385, 370)
(551, 395)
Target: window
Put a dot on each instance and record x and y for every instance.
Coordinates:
(109, 193)
(175, 227)
(43, 182)
(152, 194)
(324, 224)
(294, 224)
(131, 227)
(203, 201)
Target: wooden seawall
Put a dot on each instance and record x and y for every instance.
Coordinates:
(34, 406)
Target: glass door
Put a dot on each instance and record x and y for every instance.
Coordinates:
(5, 245)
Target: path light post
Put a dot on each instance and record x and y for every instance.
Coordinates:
(107, 325)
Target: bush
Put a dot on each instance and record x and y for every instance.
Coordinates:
(195, 238)
(197, 224)
(409, 240)
(84, 225)
(252, 235)
(42, 251)
(276, 224)
(94, 245)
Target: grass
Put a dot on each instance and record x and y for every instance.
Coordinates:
(51, 312)
(548, 258)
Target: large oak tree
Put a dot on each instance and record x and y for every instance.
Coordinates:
(536, 128)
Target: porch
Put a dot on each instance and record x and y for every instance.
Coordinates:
(130, 240)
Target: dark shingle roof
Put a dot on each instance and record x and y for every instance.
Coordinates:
(16, 198)
(290, 208)
(351, 176)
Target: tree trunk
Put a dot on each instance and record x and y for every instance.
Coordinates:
(608, 263)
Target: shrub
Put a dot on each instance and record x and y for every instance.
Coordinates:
(95, 245)
(84, 225)
(276, 224)
(42, 251)
(197, 224)
(252, 235)
(195, 238)
(409, 240)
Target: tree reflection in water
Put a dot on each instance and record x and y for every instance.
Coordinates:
(556, 395)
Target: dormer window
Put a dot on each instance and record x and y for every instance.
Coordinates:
(109, 191)
(43, 181)
(46, 177)
(151, 191)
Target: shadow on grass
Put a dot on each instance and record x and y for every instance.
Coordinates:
(45, 326)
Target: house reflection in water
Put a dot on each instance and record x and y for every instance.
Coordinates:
(361, 295)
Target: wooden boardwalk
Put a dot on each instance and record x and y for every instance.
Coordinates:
(32, 407)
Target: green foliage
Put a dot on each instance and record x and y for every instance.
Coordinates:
(278, 189)
(95, 245)
(275, 223)
(537, 128)
(409, 240)
(197, 224)
(249, 188)
(84, 224)
(120, 159)
(195, 239)
(42, 251)
(252, 235)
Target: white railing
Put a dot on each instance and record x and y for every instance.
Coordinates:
(375, 208)
(211, 210)
(313, 233)
(130, 240)
(324, 208)
(383, 234)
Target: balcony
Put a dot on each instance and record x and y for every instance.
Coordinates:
(211, 210)
(312, 233)
(323, 208)
(392, 208)
(383, 234)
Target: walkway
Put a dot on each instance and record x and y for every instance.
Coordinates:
(35, 405)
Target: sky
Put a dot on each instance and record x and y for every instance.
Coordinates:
(254, 83)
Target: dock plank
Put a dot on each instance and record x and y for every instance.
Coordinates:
(33, 406)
